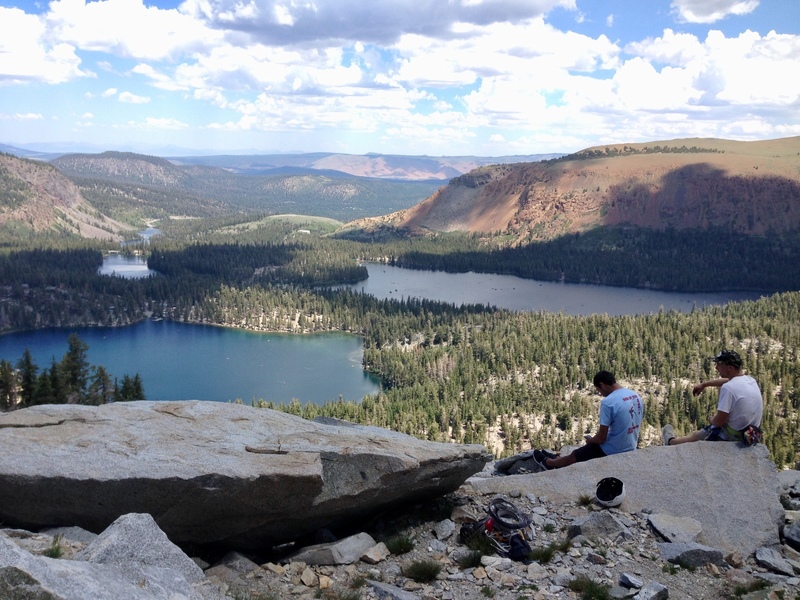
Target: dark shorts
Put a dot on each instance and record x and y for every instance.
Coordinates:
(588, 452)
(712, 433)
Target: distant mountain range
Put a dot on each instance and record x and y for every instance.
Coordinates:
(748, 187)
(380, 166)
(752, 188)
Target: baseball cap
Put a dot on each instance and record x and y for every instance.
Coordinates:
(729, 357)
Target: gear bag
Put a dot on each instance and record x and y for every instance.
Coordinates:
(507, 528)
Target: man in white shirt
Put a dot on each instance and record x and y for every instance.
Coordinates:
(740, 404)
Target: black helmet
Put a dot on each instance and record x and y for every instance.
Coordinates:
(610, 492)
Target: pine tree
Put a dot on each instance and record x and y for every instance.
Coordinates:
(27, 378)
(74, 369)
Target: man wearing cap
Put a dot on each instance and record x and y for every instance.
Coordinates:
(740, 404)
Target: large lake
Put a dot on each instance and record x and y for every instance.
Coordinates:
(178, 361)
(182, 361)
(514, 293)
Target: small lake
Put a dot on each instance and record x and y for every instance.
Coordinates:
(125, 265)
(515, 293)
(179, 361)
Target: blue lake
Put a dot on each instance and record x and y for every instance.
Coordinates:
(178, 361)
(181, 361)
(515, 293)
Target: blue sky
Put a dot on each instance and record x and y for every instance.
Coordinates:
(434, 77)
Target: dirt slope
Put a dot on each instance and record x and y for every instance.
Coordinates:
(35, 197)
(750, 187)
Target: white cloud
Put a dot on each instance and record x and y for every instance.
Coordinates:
(711, 11)
(128, 28)
(455, 72)
(129, 98)
(164, 123)
(28, 117)
(736, 71)
(324, 22)
(677, 49)
(27, 52)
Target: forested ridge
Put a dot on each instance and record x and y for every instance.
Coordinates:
(127, 186)
(672, 260)
(473, 374)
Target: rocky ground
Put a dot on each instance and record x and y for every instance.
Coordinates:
(430, 534)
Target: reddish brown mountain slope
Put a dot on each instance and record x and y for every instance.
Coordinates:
(35, 196)
(751, 187)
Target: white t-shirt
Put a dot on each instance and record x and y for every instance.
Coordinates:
(741, 399)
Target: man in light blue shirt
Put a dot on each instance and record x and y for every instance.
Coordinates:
(621, 412)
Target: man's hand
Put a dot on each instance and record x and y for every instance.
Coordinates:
(698, 389)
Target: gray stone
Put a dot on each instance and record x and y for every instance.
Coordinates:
(794, 563)
(771, 559)
(676, 529)
(384, 591)
(524, 466)
(691, 480)
(792, 535)
(72, 534)
(630, 581)
(690, 554)
(563, 577)
(213, 472)
(135, 538)
(239, 563)
(653, 591)
(341, 552)
(518, 464)
(444, 529)
(23, 575)
(619, 592)
(792, 516)
(790, 480)
(227, 576)
(379, 552)
(596, 525)
(16, 584)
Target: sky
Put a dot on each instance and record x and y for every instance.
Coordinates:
(413, 77)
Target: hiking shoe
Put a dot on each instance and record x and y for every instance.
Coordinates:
(540, 456)
(667, 434)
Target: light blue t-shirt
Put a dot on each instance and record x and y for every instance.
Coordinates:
(622, 412)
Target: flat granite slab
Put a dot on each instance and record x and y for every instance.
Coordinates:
(212, 472)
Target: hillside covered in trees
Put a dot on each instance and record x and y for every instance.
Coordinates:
(475, 374)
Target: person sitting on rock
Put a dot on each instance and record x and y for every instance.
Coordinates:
(621, 412)
(740, 404)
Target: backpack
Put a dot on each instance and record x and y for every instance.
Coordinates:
(752, 435)
(506, 527)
